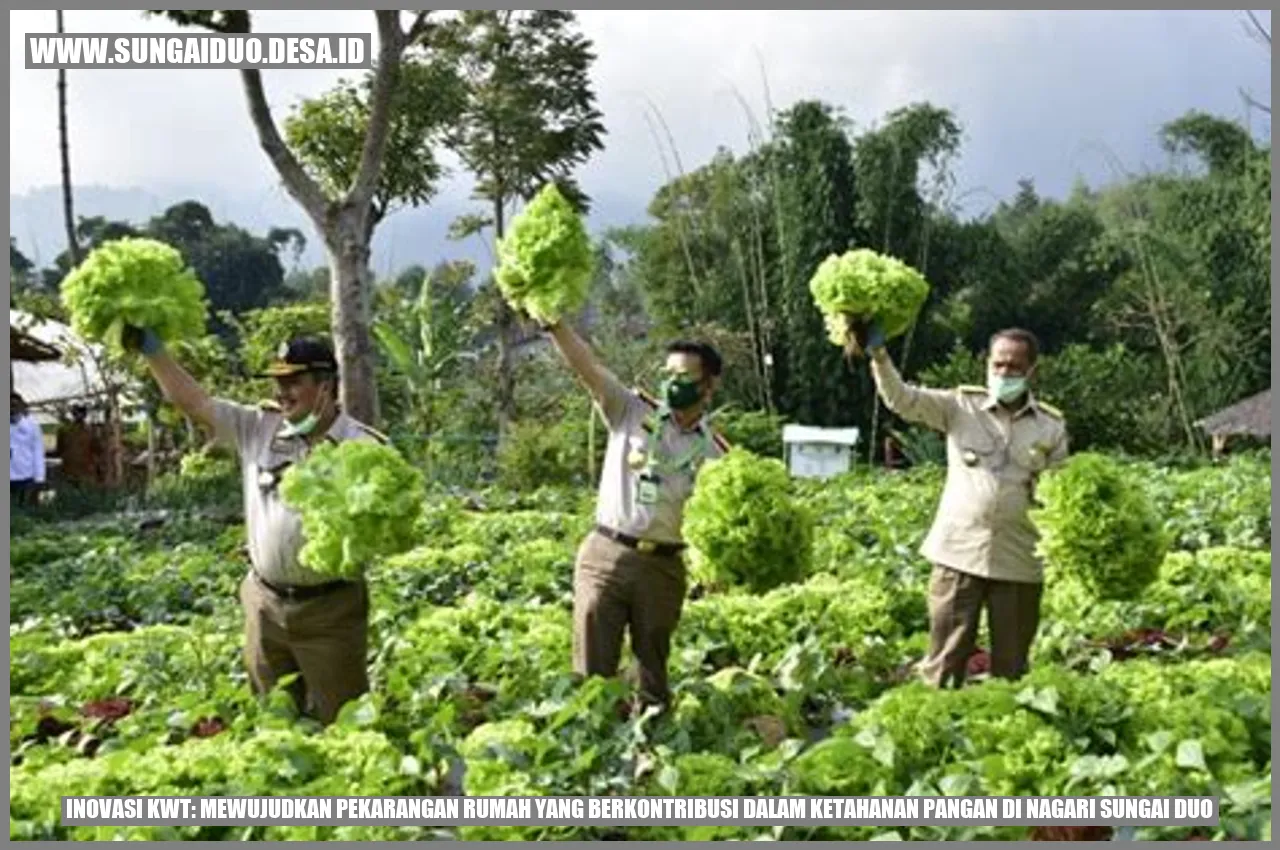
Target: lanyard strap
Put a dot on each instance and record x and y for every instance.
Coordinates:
(657, 461)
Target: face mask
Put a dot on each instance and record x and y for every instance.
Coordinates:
(307, 424)
(680, 394)
(1005, 388)
(301, 428)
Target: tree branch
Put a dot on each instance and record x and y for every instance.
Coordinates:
(1257, 30)
(419, 26)
(296, 180)
(390, 48)
(1252, 101)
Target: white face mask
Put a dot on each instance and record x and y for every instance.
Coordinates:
(1006, 388)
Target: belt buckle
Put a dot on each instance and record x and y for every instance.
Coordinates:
(646, 547)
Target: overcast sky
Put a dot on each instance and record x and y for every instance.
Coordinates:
(1040, 94)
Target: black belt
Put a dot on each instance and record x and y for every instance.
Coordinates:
(300, 592)
(646, 547)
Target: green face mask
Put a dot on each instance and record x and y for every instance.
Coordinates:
(303, 427)
(680, 393)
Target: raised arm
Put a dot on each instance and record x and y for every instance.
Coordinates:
(928, 407)
(609, 394)
(182, 390)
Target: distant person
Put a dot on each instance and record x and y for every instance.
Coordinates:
(77, 448)
(26, 454)
(982, 545)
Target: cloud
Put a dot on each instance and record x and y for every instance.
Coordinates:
(1036, 91)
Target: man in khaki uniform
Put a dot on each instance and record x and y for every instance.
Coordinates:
(982, 543)
(295, 620)
(630, 570)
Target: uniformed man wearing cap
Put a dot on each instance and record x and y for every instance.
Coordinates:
(295, 621)
(982, 544)
(630, 572)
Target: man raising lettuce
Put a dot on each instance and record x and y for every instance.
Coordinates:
(982, 545)
(296, 621)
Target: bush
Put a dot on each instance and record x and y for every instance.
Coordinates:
(754, 430)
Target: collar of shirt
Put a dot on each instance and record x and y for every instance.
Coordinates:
(698, 427)
(1031, 406)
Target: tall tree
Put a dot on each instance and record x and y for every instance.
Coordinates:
(529, 118)
(817, 201)
(64, 146)
(328, 133)
(342, 217)
(893, 210)
(240, 271)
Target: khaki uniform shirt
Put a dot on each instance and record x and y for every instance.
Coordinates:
(993, 459)
(274, 531)
(627, 414)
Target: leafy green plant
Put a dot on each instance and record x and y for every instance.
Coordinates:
(745, 526)
(1097, 524)
(139, 282)
(545, 260)
(864, 286)
(359, 501)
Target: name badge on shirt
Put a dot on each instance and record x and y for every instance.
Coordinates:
(647, 490)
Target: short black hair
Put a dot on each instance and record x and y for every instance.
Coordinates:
(707, 356)
(1021, 335)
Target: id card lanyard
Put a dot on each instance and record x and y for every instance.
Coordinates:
(657, 464)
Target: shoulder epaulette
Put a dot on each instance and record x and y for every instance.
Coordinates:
(720, 442)
(1050, 409)
(269, 406)
(372, 432)
(647, 398)
(972, 389)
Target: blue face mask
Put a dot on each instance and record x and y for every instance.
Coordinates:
(1006, 388)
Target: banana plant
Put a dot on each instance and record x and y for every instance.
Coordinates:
(425, 349)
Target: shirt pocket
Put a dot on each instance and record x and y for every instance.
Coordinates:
(975, 447)
(271, 465)
(1031, 452)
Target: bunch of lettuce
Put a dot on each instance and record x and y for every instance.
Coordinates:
(139, 282)
(1097, 524)
(545, 261)
(744, 525)
(359, 501)
(859, 287)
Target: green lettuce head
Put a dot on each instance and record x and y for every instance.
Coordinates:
(545, 261)
(1097, 524)
(862, 286)
(744, 525)
(359, 501)
(139, 282)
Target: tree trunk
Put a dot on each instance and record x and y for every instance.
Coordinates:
(68, 217)
(506, 342)
(350, 285)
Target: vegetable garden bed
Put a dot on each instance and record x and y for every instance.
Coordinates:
(126, 674)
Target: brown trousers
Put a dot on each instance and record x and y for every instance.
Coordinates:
(615, 589)
(324, 639)
(956, 601)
